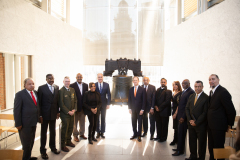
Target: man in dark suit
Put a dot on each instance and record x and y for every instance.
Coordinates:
(221, 114)
(26, 115)
(196, 112)
(181, 116)
(136, 106)
(48, 104)
(104, 90)
(79, 117)
(150, 101)
(163, 110)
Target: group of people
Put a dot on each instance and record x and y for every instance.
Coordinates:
(204, 116)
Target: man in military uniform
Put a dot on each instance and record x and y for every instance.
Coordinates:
(68, 106)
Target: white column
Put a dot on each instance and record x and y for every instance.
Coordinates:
(25, 67)
(179, 12)
(9, 80)
(49, 7)
(199, 7)
(204, 5)
(44, 5)
(17, 65)
(68, 11)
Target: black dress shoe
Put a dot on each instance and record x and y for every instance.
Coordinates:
(177, 153)
(33, 158)
(172, 143)
(90, 141)
(151, 138)
(144, 134)
(102, 135)
(174, 149)
(44, 156)
(98, 135)
(55, 151)
(94, 139)
(139, 138)
(161, 140)
(133, 137)
(65, 149)
(156, 139)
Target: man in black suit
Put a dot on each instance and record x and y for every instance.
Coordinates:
(181, 116)
(104, 90)
(163, 110)
(196, 112)
(221, 114)
(136, 106)
(79, 117)
(150, 101)
(26, 115)
(48, 104)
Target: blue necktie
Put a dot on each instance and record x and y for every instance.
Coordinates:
(100, 88)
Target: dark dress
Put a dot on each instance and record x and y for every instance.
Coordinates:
(175, 101)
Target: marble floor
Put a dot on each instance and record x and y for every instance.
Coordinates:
(116, 145)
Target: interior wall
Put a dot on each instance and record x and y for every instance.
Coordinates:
(56, 47)
(206, 44)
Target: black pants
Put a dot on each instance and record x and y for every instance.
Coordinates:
(152, 123)
(27, 136)
(182, 131)
(175, 136)
(93, 118)
(199, 135)
(162, 127)
(136, 123)
(216, 139)
(52, 135)
(101, 123)
(145, 121)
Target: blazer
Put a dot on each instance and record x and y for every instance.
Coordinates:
(26, 113)
(183, 102)
(48, 102)
(139, 102)
(105, 95)
(163, 101)
(197, 112)
(87, 108)
(79, 95)
(150, 97)
(221, 111)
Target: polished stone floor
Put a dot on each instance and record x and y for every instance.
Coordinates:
(116, 145)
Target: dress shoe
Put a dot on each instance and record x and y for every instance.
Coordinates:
(177, 153)
(174, 149)
(139, 138)
(55, 151)
(70, 144)
(151, 138)
(44, 156)
(83, 137)
(144, 134)
(76, 139)
(156, 139)
(133, 137)
(98, 135)
(94, 139)
(65, 149)
(90, 141)
(161, 140)
(33, 158)
(172, 143)
(190, 158)
(102, 135)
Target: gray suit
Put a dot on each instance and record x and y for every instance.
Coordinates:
(26, 114)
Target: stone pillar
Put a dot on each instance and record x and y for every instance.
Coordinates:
(25, 67)
(179, 11)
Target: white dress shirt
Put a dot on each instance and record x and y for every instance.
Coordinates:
(49, 86)
(198, 94)
(80, 87)
(67, 88)
(214, 89)
(33, 94)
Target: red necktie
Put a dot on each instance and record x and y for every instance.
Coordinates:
(34, 100)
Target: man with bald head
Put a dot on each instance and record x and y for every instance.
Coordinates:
(104, 90)
(79, 117)
(221, 114)
(26, 115)
(181, 116)
(150, 101)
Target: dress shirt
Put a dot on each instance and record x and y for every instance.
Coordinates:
(99, 86)
(199, 94)
(33, 94)
(136, 93)
(67, 88)
(80, 87)
(214, 89)
(49, 86)
(146, 87)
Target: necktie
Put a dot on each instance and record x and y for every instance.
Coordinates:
(34, 100)
(195, 99)
(211, 93)
(135, 91)
(51, 89)
(100, 88)
(146, 88)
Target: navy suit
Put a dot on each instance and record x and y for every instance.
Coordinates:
(182, 128)
(136, 104)
(106, 99)
(150, 101)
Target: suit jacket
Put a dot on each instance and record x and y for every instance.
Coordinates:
(86, 105)
(163, 101)
(105, 95)
(150, 97)
(221, 111)
(26, 113)
(197, 111)
(79, 95)
(67, 101)
(183, 102)
(139, 102)
(48, 102)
